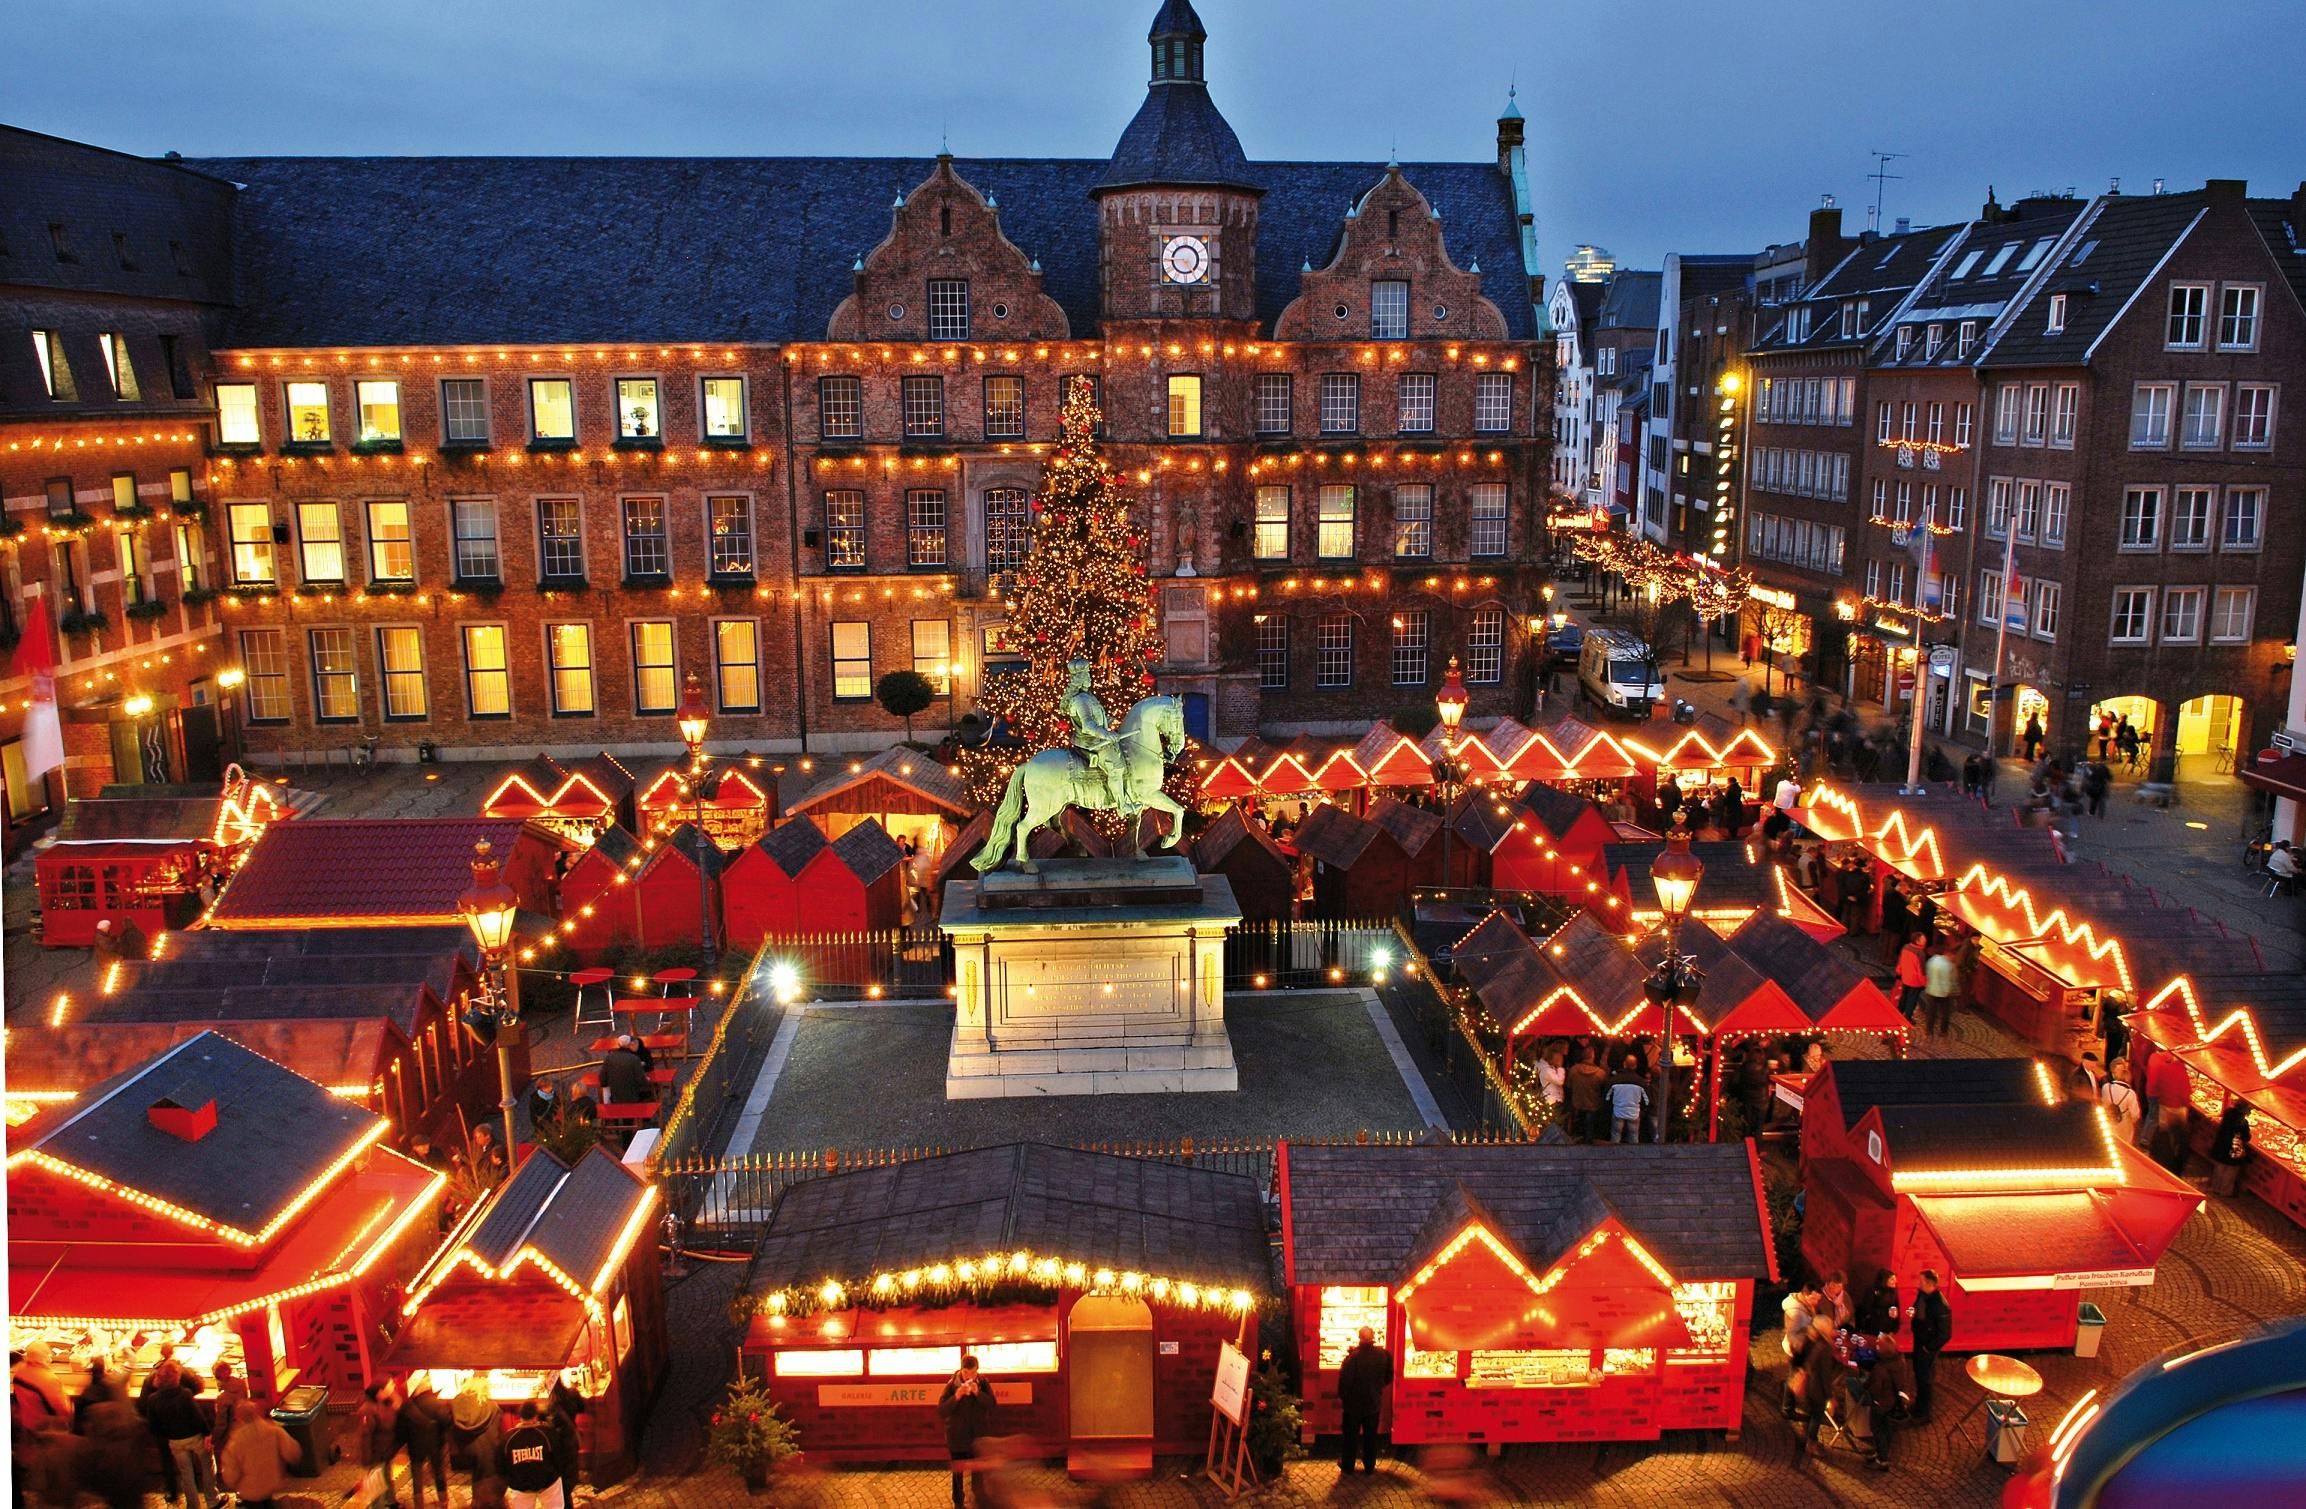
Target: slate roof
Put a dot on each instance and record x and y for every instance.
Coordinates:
(1335, 836)
(792, 844)
(1357, 1214)
(393, 251)
(1816, 976)
(138, 818)
(332, 870)
(690, 845)
(1629, 301)
(1733, 877)
(568, 1214)
(95, 193)
(1229, 832)
(1411, 827)
(1704, 273)
(1586, 297)
(1862, 1084)
(1937, 1138)
(905, 767)
(2111, 259)
(2283, 225)
(340, 1050)
(616, 844)
(276, 1132)
(2019, 249)
(318, 973)
(1474, 817)
(1556, 810)
(1879, 269)
(1135, 1214)
(1178, 136)
(868, 851)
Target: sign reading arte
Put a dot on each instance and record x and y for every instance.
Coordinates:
(881, 1395)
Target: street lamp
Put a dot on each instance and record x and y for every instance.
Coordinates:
(228, 681)
(693, 719)
(489, 908)
(1676, 981)
(1450, 703)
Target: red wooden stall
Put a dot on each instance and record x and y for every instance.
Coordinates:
(1389, 757)
(1264, 878)
(138, 859)
(2242, 1038)
(736, 800)
(627, 892)
(796, 881)
(579, 801)
(1556, 838)
(383, 872)
(1528, 1292)
(1359, 869)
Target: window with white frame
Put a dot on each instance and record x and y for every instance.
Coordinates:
(852, 647)
(737, 664)
(1493, 402)
(308, 418)
(2056, 325)
(948, 309)
(1936, 431)
(2065, 409)
(1957, 508)
(2189, 312)
(1908, 423)
(264, 661)
(2190, 509)
(840, 408)
(2037, 413)
(2238, 317)
(1184, 405)
(2150, 415)
(1334, 535)
(1413, 520)
(2245, 519)
(569, 656)
(464, 411)
(2007, 401)
(1271, 542)
(1882, 423)
(1905, 341)
(1873, 579)
(844, 530)
(1965, 337)
(551, 411)
(2203, 423)
(2230, 614)
(647, 552)
(2057, 503)
(376, 405)
(1898, 582)
(1902, 510)
(320, 543)
(237, 414)
(1412, 642)
(400, 663)
(2029, 509)
(335, 676)
(251, 527)
(1933, 337)
(1488, 531)
(924, 407)
(640, 414)
(1340, 403)
(933, 653)
(560, 539)
(1964, 417)
(2141, 518)
(2181, 615)
(1272, 652)
(1004, 407)
(1389, 310)
(729, 535)
(1008, 528)
(1416, 395)
(1990, 597)
(2253, 416)
(1997, 506)
(1881, 507)
(2133, 615)
(391, 550)
(1274, 399)
(487, 673)
(55, 369)
(2049, 602)
(925, 526)
(1485, 646)
(1336, 646)
(655, 689)
(723, 407)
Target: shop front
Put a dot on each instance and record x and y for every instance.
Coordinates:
(1776, 633)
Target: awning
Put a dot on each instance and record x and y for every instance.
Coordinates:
(2285, 775)
(513, 1337)
(2034, 1240)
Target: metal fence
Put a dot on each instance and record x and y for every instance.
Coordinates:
(725, 1070)
(1296, 955)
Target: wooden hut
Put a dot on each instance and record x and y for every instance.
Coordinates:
(735, 799)
(1264, 879)
(383, 872)
(1359, 869)
(138, 856)
(579, 801)
(1985, 1171)
(627, 892)
(1554, 844)
(1528, 1292)
(795, 881)
(908, 793)
(2242, 1038)
(1740, 882)
(553, 1276)
(1416, 831)
(1094, 1290)
(210, 1197)
(1832, 991)
(1389, 757)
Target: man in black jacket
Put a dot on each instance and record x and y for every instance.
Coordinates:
(423, 1426)
(624, 1074)
(1361, 1386)
(529, 1470)
(1932, 1322)
(967, 1407)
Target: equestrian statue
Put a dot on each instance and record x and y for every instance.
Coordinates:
(1106, 769)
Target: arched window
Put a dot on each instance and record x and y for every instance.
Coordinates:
(1008, 528)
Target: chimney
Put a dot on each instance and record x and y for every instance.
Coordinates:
(1991, 211)
(185, 1123)
(1904, 224)
(2157, 185)
(2226, 190)
(2298, 212)
(1825, 247)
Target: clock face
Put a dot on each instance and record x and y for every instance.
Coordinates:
(1184, 259)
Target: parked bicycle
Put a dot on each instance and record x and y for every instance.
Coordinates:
(364, 754)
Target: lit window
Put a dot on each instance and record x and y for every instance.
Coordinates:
(1336, 644)
(731, 522)
(913, 1362)
(924, 404)
(56, 372)
(320, 539)
(265, 663)
(1184, 406)
(551, 410)
(236, 414)
(135, 572)
(724, 408)
(846, 1364)
(1485, 647)
(487, 675)
(308, 413)
(560, 539)
(1345, 1310)
(118, 367)
(840, 408)
(1340, 403)
(1004, 408)
(378, 401)
(1272, 538)
(1413, 520)
(1016, 1356)
(925, 526)
(654, 686)
(335, 678)
(852, 662)
(933, 653)
(464, 411)
(1334, 537)
(569, 647)
(948, 309)
(1389, 310)
(639, 416)
(844, 531)
(391, 556)
(737, 664)
(1489, 521)
(251, 525)
(1008, 528)
(1416, 395)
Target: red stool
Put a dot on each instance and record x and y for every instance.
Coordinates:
(584, 980)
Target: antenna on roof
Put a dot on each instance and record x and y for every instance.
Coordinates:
(1882, 176)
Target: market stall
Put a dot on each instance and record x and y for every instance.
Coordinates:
(1528, 1292)
(796, 882)
(1389, 757)
(578, 801)
(910, 795)
(1985, 1171)
(1359, 869)
(1263, 876)
(552, 1277)
(1555, 839)
(138, 857)
(383, 872)
(1699, 761)
(213, 1198)
(1737, 1004)
(1094, 1290)
(1739, 883)
(2241, 1038)
(1583, 752)
(734, 800)
(1831, 990)
(627, 892)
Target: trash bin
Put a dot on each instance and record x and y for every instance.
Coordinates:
(2090, 1332)
(2005, 1431)
(300, 1412)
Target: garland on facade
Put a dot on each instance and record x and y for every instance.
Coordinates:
(992, 1279)
(1666, 576)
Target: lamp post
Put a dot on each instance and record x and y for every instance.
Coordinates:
(228, 681)
(1676, 981)
(489, 908)
(1450, 703)
(693, 720)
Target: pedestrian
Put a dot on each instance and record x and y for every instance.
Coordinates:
(1753, 1087)
(476, 1428)
(175, 1420)
(2126, 742)
(2087, 1078)
(2121, 1099)
(101, 1386)
(967, 1408)
(561, 1419)
(1587, 1086)
(230, 1391)
(544, 1102)
(1932, 1326)
(2230, 1149)
(531, 1476)
(624, 1074)
(1880, 1312)
(2030, 741)
(1800, 1311)
(1362, 1380)
(1913, 974)
(1742, 700)
(374, 1444)
(1821, 1373)
(2097, 783)
(112, 1466)
(421, 1428)
(1941, 982)
(1552, 1077)
(1889, 1386)
(258, 1460)
(1838, 1307)
(1628, 1096)
(40, 1419)
(2172, 1086)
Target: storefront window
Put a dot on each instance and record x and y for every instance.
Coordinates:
(1345, 1309)
(1623, 1362)
(1417, 1364)
(1710, 1312)
(1016, 1356)
(841, 1364)
(904, 1362)
(1549, 1368)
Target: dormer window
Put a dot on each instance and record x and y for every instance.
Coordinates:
(2057, 320)
(1905, 341)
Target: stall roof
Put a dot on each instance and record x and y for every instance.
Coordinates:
(337, 1053)
(340, 872)
(1411, 827)
(1392, 758)
(575, 1218)
(1591, 753)
(1094, 1208)
(1555, 810)
(1335, 836)
(868, 851)
(792, 844)
(1831, 990)
(1997, 1137)
(1482, 819)
(1861, 1084)
(931, 786)
(206, 976)
(1230, 831)
(140, 820)
(1356, 1213)
(2046, 1232)
(2262, 1018)
(276, 1135)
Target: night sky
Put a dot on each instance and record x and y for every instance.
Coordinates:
(1654, 127)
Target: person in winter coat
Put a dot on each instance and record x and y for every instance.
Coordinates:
(257, 1461)
(967, 1407)
(561, 1418)
(476, 1427)
(176, 1420)
(624, 1074)
(1880, 1312)
(230, 1391)
(375, 1442)
(422, 1427)
(1821, 1374)
(532, 1479)
(113, 1466)
(1889, 1385)
(1932, 1326)
(1361, 1384)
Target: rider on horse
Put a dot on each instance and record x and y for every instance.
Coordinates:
(1093, 733)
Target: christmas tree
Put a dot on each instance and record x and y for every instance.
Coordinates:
(1081, 593)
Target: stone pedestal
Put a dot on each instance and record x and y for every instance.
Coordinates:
(1094, 977)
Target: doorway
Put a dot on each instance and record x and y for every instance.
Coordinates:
(1110, 1368)
(2209, 725)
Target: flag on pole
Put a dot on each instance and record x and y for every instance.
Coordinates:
(43, 729)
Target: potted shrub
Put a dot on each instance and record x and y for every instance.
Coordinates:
(1275, 1424)
(749, 1435)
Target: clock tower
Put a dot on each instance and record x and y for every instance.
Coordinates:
(1177, 206)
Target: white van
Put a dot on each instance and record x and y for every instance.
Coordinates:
(1613, 671)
